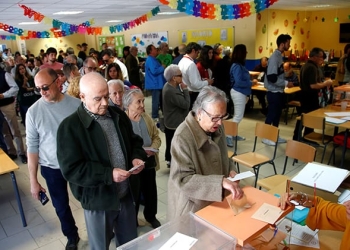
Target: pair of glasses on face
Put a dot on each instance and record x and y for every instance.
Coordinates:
(91, 68)
(216, 118)
(45, 88)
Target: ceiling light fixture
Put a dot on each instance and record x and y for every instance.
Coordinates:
(67, 12)
(114, 21)
(169, 13)
(28, 23)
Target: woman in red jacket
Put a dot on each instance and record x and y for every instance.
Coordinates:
(205, 62)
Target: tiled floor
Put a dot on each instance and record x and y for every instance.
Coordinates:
(43, 230)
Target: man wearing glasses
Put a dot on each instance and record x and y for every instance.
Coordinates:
(89, 65)
(108, 58)
(42, 121)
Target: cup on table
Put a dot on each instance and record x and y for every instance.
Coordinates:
(343, 105)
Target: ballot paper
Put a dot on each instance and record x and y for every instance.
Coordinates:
(345, 196)
(326, 178)
(241, 176)
(151, 149)
(334, 120)
(267, 213)
(298, 234)
(179, 241)
(337, 113)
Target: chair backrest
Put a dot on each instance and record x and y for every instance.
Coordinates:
(300, 151)
(231, 128)
(313, 121)
(266, 131)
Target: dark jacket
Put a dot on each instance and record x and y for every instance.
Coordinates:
(83, 157)
(133, 70)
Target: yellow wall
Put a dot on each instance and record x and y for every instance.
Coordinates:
(34, 45)
(12, 44)
(247, 31)
(244, 29)
(316, 33)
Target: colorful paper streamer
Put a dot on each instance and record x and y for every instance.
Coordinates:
(219, 12)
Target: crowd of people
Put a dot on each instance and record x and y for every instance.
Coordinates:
(89, 108)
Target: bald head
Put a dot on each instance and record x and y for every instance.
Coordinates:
(94, 93)
(182, 49)
(47, 81)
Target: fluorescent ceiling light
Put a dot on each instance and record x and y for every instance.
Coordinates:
(114, 21)
(321, 6)
(67, 12)
(28, 23)
(169, 13)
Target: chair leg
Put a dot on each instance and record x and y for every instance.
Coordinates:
(274, 167)
(324, 152)
(331, 156)
(237, 164)
(18, 197)
(256, 170)
(286, 115)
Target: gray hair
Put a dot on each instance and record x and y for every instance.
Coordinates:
(171, 71)
(116, 82)
(129, 95)
(208, 95)
(315, 51)
(226, 51)
(88, 59)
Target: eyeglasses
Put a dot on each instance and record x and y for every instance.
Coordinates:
(45, 88)
(91, 68)
(178, 75)
(216, 118)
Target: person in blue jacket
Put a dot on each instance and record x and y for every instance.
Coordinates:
(241, 85)
(154, 79)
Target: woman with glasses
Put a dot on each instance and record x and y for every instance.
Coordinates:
(200, 165)
(176, 104)
(26, 96)
(241, 86)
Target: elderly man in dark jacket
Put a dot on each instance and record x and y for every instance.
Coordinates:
(100, 157)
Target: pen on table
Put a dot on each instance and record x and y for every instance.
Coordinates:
(275, 232)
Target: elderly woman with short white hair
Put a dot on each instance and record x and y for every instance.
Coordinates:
(144, 126)
(200, 165)
(176, 104)
(116, 90)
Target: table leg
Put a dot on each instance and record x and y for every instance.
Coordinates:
(18, 197)
(344, 147)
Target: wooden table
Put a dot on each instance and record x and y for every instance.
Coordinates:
(329, 240)
(8, 166)
(346, 125)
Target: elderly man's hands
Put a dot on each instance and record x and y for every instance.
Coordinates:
(120, 175)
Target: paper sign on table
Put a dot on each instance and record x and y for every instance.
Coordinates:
(334, 120)
(241, 176)
(337, 113)
(179, 241)
(267, 213)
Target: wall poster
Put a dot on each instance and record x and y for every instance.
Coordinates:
(141, 41)
(113, 41)
(210, 36)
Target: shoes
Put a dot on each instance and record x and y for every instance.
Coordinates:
(154, 223)
(23, 158)
(168, 164)
(72, 244)
(240, 138)
(281, 140)
(268, 142)
(229, 141)
(13, 157)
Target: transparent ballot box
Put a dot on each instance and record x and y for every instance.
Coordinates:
(208, 236)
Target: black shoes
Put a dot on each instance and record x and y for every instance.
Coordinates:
(72, 244)
(13, 157)
(154, 223)
(23, 158)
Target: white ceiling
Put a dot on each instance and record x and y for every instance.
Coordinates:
(104, 10)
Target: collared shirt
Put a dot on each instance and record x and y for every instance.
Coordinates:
(95, 116)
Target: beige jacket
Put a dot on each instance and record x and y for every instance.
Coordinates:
(198, 166)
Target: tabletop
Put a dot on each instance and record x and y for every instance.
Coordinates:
(7, 165)
(331, 108)
(286, 90)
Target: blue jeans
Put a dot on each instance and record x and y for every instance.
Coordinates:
(155, 102)
(2, 140)
(57, 186)
(274, 110)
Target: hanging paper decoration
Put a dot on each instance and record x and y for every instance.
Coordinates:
(2, 37)
(61, 29)
(219, 12)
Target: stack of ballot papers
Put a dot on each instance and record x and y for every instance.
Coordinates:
(325, 177)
